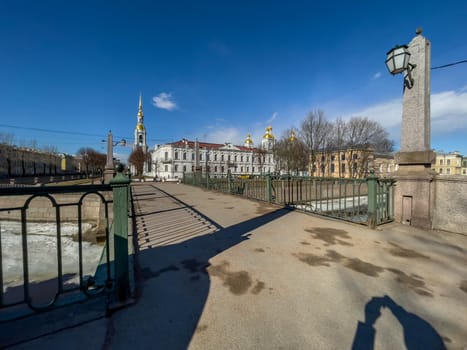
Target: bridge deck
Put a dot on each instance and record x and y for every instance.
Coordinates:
(221, 272)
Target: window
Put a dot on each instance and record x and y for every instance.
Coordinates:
(253, 169)
(222, 159)
(176, 155)
(200, 156)
(241, 169)
(192, 156)
(228, 158)
(355, 156)
(441, 170)
(222, 169)
(332, 168)
(247, 158)
(166, 156)
(166, 168)
(235, 158)
(333, 158)
(342, 168)
(464, 172)
(440, 162)
(176, 168)
(247, 169)
(184, 155)
(207, 156)
(449, 161)
(215, 157)
(241, 158)
(342, 156)
(215, 169)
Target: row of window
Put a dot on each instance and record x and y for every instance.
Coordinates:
(216, 169)
(229, 158)
(333, 157)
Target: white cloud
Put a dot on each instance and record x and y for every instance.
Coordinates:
(222, 135)
(448, 113)
(273, 117)
(164, 101)
(377, 75)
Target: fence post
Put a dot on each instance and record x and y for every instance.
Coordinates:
(229, 181)
(372, 182)
(119, 186)
(268, 188)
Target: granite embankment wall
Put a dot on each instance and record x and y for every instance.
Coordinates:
(42, 209)
(450, 203)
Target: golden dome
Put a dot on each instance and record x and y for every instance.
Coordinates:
(268, 135)
(248, 140)
(140, 127)
(292, 136)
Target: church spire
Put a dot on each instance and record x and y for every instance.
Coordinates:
(140, 109)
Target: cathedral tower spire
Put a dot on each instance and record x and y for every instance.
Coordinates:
(140, 130)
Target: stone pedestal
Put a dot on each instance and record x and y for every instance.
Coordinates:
(108, 174)
(414, 195)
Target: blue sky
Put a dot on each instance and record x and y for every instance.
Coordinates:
(217, 70)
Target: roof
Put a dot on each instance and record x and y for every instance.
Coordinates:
(208, 145)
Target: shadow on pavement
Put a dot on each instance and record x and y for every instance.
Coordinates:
(418, 333)
(173, 280)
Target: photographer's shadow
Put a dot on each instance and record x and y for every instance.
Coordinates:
(418, 333)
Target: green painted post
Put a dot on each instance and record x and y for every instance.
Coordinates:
(229, 182)
(268, 188)
(372, 181)
(119, 186)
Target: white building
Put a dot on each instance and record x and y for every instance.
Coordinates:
(171, 160)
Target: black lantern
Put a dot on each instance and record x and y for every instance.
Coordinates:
(397, 61)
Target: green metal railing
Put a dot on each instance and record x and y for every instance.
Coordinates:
(367, 201)
(111, 277)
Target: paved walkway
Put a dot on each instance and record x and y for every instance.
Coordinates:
(221, 272)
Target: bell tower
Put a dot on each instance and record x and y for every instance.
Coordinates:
(140, 130)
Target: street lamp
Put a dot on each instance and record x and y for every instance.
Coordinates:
(109, 166)
(397, 61)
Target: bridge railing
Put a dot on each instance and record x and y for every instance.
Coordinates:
(367, 201)
(43, 270)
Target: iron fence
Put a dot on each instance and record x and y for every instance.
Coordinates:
(42, 282)
(367, 201)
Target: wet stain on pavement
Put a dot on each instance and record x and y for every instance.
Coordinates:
(463, 286)
(259, 250)
(201, 328)
(305, 243)
(313, 260)
(354, 264)
(259, 286)
(238, 282)
(447, 339)
(415, 284)
(147, 273)
(363, 267)
(330, 236)
(194, 265)
(404, 252)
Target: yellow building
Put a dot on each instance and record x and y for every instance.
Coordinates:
(449, 163)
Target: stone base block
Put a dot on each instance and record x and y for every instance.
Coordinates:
(415, 158)
(414, 195)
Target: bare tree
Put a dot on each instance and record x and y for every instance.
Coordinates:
(138, 158)
(92, 161)
(291, 155)
(315, 133)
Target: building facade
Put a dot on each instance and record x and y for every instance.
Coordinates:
(450, 163)
(170, 161)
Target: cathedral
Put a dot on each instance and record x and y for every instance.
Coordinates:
(170, 161)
